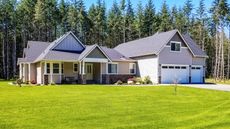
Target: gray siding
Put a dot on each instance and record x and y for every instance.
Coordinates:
(96, 53)
(182, 57)
(198, 61)
(177, 38)
(69, 44)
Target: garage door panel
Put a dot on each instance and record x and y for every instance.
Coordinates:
(172, 74)
(197, 74)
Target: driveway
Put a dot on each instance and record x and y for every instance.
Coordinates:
(221, 87)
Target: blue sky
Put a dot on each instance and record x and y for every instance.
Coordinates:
(157, 3)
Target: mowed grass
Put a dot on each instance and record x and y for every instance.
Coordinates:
(107, 107)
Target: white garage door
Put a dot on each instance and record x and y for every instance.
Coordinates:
(197, 74)
(174, 74)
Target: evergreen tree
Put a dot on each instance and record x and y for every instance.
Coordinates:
(63, 11)
(165, 18)
(187, 9)
(149, 19)
(139, 21)
(129, 22)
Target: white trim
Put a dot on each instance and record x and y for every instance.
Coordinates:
(83, 67)
(29, 72)
(175, 42)
(80, 68)
(93, 49)
(108, 67)
(100, 72)
(51, 72)
(92, 60)
(135, 68)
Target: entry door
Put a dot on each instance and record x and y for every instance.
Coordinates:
(89, 71)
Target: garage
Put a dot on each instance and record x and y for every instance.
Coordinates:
(174, 73)
(197, 74)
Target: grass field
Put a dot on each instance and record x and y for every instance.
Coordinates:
(105, 107)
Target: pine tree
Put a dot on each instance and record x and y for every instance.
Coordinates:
(139, 21)
(63, 11)
(129, 22)
(149, 19)
(187, 9)
(165, 18)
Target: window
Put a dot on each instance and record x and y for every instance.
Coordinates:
(55, 68)
(47, 67)
(132, 68)
(171, 67)
(175, 46)
(112, 68)
(62, 68)
(183, 67)
(177, 67)
(164, 67)
(75, 67)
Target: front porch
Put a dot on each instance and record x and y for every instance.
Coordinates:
(72, 72)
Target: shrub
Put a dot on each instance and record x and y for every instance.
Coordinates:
(52, 83)
(33, 82)
(19, 82)
(119, 82)
(138, 80)
(147, 80)
(130, 81)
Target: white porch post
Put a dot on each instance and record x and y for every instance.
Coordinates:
(79, 67)
(83, 67)
(45, 68)
(100, 72)
(106, 66)
(20, 71)
(60, 71)
(24, 72)
(51, 72)
(29, 72)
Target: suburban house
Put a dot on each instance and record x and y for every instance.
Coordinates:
(166, 57)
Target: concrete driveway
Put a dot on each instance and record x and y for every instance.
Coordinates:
(221, 87)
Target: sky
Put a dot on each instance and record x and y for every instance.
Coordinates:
(157, 3)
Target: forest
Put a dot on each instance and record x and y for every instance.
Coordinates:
(46, 20)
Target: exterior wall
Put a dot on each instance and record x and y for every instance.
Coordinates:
(39, 73)
(69, 44)
(177, 38)
(113, 78)
(198, 61)
(184, 57)
(148, 66)
(33, 72)
(68, 70)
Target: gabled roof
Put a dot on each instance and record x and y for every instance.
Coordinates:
(115, 55)
(153, 45)
(89, 49)
(62, 44)
(145, 46)
(194, 47)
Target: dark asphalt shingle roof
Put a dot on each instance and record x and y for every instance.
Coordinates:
(145, 46)
(154, 44)
(196, 50)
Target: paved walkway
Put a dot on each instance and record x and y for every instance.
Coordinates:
(221, 87)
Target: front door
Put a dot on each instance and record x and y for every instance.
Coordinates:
(89, 71)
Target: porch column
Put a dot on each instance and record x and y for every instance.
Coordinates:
(51, 72)
(29, 72)
(101, 73)
(24, 73)
(79, 67)
(60, 72)
(107, 78)
(83, 73)
(20, 71)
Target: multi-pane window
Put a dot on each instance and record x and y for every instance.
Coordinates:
(175, 46)
(55, 67)
(112, 68)
(132, 68)
(48, 68)
(75, 67)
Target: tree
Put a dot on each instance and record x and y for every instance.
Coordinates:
(149, 19)
(139, 20)
(165, 18)
(187, 9)
(129, 22)
(63, 11)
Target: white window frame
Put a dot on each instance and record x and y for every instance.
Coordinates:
(135, 68)
(112, 64)
(58, 68)
(74, 68)
(175, 43)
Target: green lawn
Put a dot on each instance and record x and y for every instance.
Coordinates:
(105, 107)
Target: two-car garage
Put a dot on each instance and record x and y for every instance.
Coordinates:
(181, 74)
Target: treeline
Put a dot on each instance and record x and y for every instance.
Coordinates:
(45, 20)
